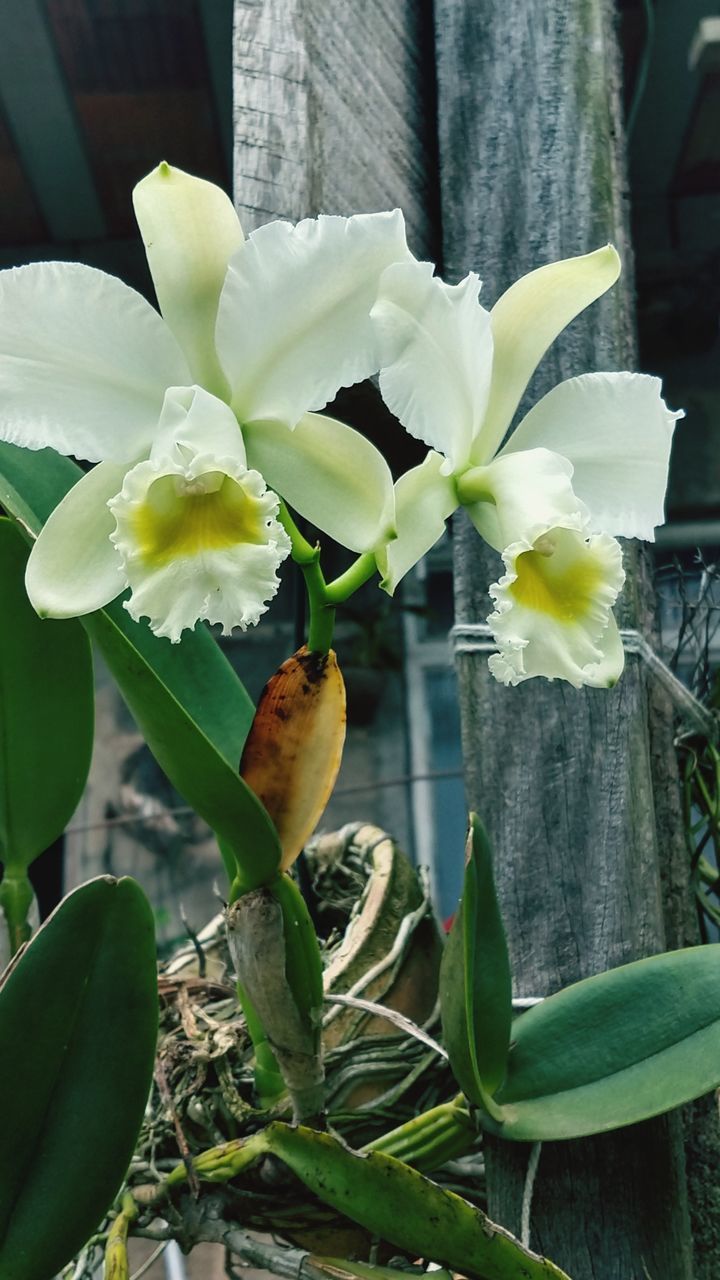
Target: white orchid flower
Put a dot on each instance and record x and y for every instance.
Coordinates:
(589, 461)
(189, 416)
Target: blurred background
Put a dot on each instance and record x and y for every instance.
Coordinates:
(93, 93)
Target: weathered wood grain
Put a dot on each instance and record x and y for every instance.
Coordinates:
(531, 167)
(334, 111)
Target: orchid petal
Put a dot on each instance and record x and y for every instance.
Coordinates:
(194, 420)
(198, 539)
(521, 496)
(85, 362)
(526, 320)
(294, 318)
(424, 498)
(553, 606)
(616, 430)
(73, 567)
(190, 230)
(435, 348)
(329, 473)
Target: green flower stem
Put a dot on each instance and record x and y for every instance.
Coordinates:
(323, 596)
(16, 896)
(322, 613)
(340, 589)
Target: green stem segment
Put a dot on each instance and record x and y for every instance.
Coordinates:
(323, 596)
(16, 897)
(322, 614)
(340, 590)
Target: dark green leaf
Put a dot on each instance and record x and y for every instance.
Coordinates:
(615, 1049)
(475, 990)
(78, 1025)
(192, 763)
(46, 715)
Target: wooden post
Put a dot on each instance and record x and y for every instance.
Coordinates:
(532, 171)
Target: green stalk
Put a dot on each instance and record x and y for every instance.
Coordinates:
(322, 614)
(16, 897)
(340, 589)
(323, 596)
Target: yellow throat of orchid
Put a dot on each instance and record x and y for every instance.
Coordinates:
(559, 577)
(181, 517)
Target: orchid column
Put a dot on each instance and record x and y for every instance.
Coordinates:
(531, 172)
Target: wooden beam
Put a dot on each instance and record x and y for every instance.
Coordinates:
(42, 121)
(569, 782)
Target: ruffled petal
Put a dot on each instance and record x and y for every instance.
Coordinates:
(73, 567)
(526, 320)
(616, 430)
(435, 348)
(190, 230)
(198, 538)
(84, 362)
(329, 473)
(553, 607)
(294, 318)
(520, 496)
(424, 498)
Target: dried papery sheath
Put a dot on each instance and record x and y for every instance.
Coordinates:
(290, 1014)
(293, 752)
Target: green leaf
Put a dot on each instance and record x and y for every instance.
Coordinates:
(204, 778)
(46, 716)
(186, 698)
(400, 1205)
(615, 1049)
(78, 1025)
(475, 988)
(385, 1196)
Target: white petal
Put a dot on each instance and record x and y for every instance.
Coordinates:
(616, 430)
(520, 496)
(330, 474)
(194, 420)
(294, 318)
(190, 230)
(424, 498)
(526, 320)
(435, 349)
(199, 540)
(553, 610)
(73, 567)
(84, 362)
